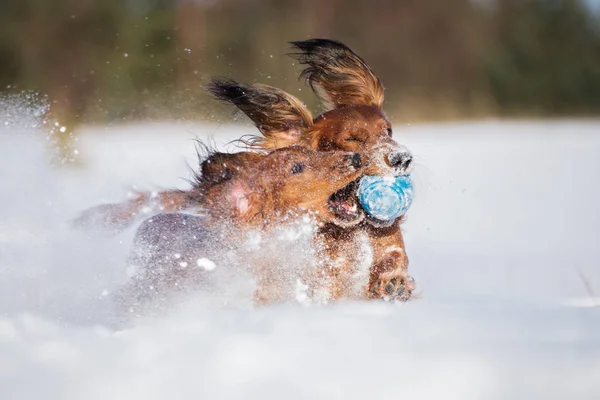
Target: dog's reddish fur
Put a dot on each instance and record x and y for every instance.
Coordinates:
(354, 122)
(275, 185)
(269, 189)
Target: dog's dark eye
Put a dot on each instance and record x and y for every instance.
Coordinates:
(297, 168)
(389, 131)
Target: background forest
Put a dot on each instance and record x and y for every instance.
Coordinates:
(110, 60)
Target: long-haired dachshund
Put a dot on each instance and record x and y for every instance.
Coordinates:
(236, 194)
(354, 122)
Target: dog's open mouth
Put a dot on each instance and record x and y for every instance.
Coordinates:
(343, 204)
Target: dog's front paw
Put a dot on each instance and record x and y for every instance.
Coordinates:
(393, 287)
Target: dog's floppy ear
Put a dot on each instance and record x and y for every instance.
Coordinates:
(337, 74)
(247, 203)
(279, 116)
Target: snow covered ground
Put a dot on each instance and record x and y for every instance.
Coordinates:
(502, 238)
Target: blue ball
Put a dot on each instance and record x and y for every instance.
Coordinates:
(385, 198)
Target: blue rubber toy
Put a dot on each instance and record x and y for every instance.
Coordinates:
(385, 198)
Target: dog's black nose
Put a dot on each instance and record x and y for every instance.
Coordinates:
(355, 160)
(400, 159)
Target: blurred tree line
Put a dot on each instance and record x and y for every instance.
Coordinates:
(107, 60)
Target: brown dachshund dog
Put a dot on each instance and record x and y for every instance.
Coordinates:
(355, 122)
(286, 181)
(236, 194)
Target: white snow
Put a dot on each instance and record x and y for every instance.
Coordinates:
(502, 234)
(206, 264)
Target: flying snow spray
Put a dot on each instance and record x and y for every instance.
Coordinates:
(385, 198)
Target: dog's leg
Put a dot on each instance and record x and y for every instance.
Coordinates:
(271, 287)
(118, 216)
(389, 277)
(338, 275)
